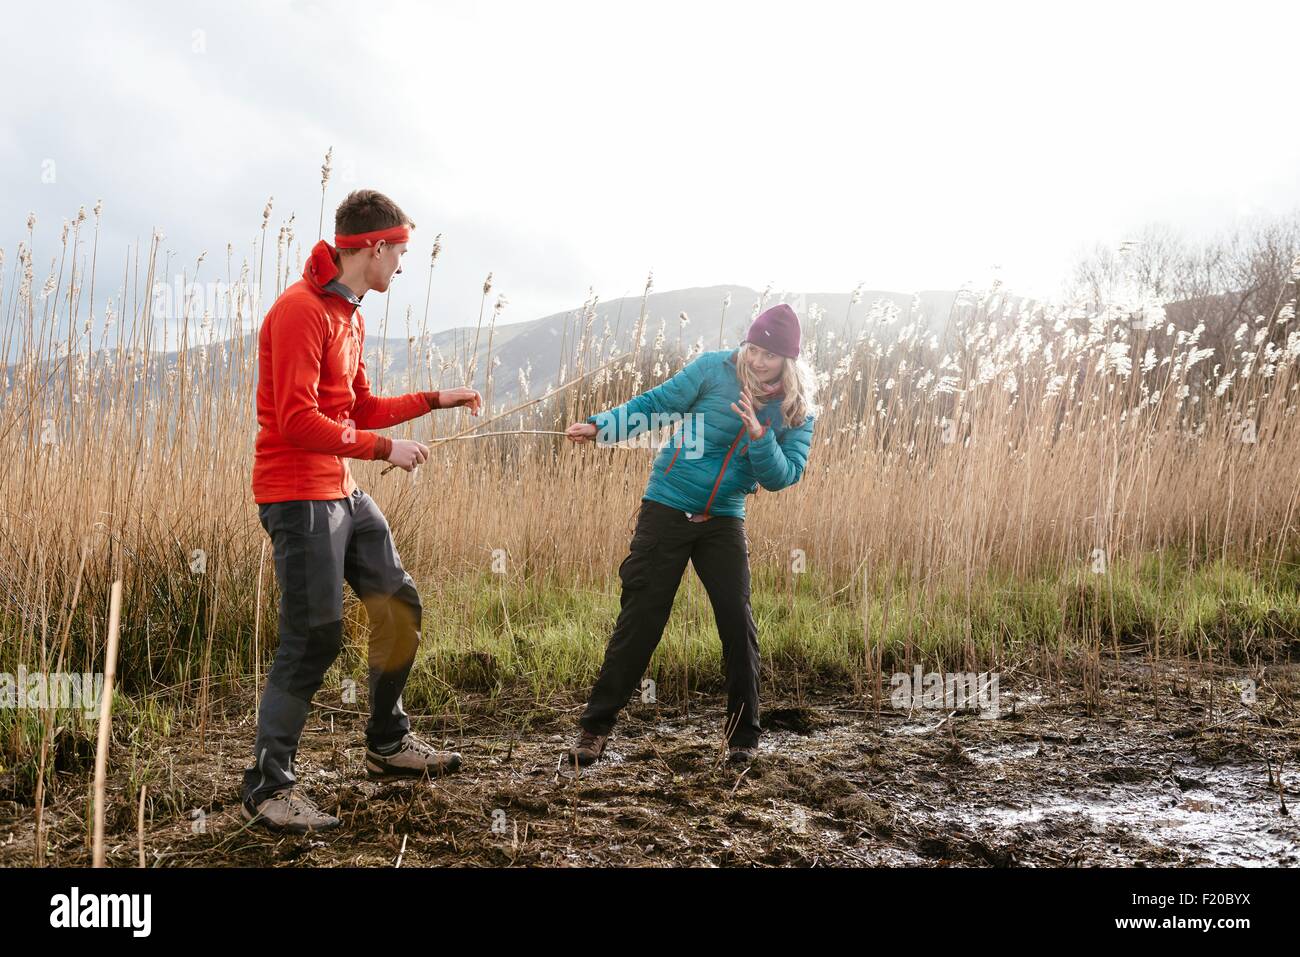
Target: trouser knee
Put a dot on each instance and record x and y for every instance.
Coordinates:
(301, 671)
(409, 599)
(395, 622)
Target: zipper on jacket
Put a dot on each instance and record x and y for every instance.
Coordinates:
(675, 452)
(672, 460)
(353, 333)
(723, 471)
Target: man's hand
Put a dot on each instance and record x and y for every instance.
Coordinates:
(580, 432)
(461, 395)
(407, 454)
(746, 412)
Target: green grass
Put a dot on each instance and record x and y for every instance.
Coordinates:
(493, 636)
(540, 636)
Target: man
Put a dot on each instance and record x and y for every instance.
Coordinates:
(315, 411)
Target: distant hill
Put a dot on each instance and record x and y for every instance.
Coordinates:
(538, 346)
(542, 344)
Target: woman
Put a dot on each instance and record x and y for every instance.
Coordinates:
(747, 421)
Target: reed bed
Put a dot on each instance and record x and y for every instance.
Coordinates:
(1014, 479)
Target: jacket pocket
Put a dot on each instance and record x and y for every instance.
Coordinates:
(342, 348)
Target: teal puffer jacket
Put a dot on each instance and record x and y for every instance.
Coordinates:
(710, 464)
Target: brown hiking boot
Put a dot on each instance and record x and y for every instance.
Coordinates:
(288, 811)
(743, 755)
(413, 758)
(588, 748)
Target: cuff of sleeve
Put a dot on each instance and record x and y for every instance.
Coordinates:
(383, 447)
(432, 399)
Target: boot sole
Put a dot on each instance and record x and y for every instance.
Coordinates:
(567, 759)
(263, 822)
(375, 771)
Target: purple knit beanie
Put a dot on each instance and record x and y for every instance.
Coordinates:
(776, 330)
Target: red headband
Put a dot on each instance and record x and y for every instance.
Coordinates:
(394, 234)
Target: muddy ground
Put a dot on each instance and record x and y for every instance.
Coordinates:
(1190, 777)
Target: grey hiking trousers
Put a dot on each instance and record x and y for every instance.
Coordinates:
(317, 546)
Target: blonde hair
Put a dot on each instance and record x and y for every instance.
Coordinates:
(798, 382)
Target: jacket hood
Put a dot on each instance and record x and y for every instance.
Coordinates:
(321, 269)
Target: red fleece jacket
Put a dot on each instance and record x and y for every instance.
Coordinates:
(314, 405)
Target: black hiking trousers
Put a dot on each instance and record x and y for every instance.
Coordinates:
(317, 546)
(664, 540)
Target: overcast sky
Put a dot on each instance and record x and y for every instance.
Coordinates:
(907, 145)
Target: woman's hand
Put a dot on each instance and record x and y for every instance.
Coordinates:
(580, 432)
(461, 395)
(747, 414)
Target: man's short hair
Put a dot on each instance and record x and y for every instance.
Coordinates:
(366, 210)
